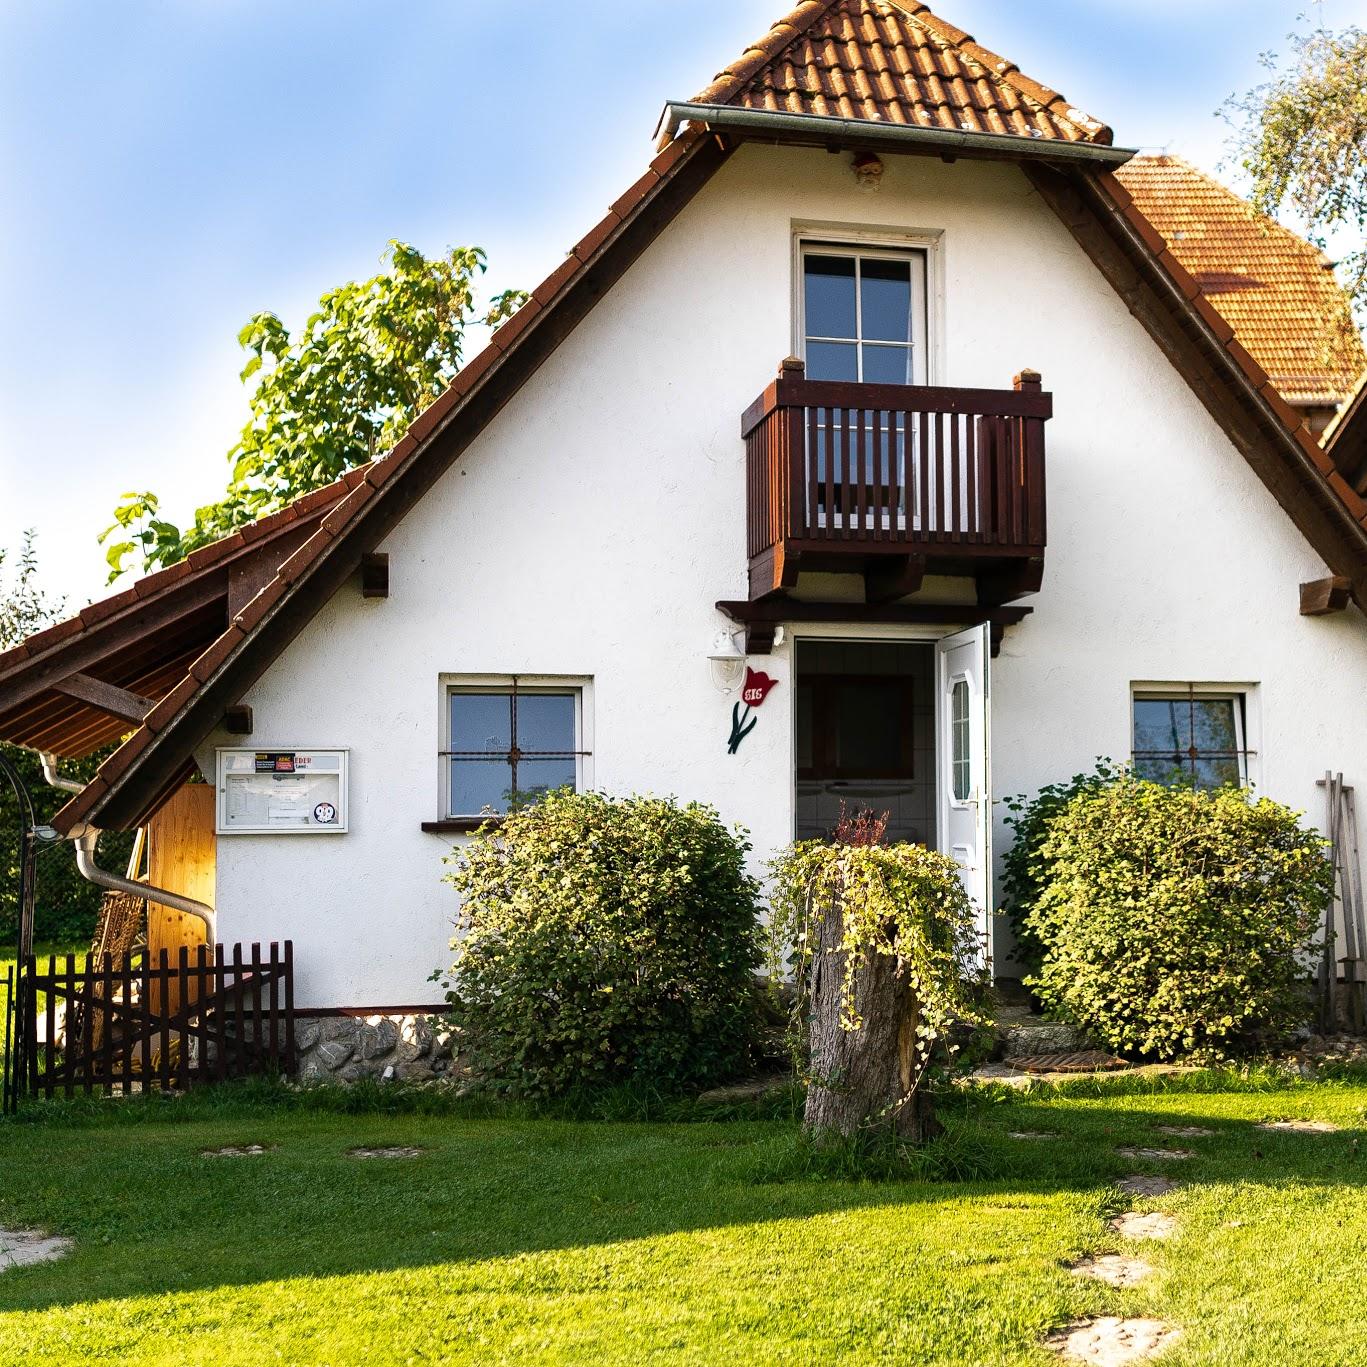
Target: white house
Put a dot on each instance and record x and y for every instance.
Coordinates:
(795, 398)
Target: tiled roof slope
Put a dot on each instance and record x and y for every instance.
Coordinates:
(1272, 287)
(894, 63)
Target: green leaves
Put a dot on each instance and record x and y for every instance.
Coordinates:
(604, 940)
(336, 395)
(1174, 920)
(1302, 138)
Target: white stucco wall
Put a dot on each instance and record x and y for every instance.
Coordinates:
(591, 528)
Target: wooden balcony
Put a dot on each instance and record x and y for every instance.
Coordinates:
(896, 482)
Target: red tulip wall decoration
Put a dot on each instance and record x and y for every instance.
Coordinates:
(755, 689)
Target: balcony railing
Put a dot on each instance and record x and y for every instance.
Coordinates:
(847, 476)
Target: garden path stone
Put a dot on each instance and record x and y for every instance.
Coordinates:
(1146, 1184)
(1030, 1134)
(24, 1247)
(1300, 1126)
(1144, 1225)
(1154, 1155)
(1115, 1269)
(1185, 1131)
(395, 1151)
(1113, 1342)
(235, 1151)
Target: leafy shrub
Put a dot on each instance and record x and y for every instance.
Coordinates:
(1025, 870)
(1176, 920)
(604, 941)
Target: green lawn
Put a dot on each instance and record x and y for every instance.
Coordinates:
(523, 1240)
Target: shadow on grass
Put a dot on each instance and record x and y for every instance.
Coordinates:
(150, 1214)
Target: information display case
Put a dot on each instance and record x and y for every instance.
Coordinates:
(281, 792)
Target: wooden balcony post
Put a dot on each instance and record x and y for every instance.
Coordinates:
(1032, 460)
(794, 455)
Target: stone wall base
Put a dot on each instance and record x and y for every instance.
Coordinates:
(387, 1048)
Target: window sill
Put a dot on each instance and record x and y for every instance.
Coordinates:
(460, 825)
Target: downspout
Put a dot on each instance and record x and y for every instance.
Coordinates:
(87, 844)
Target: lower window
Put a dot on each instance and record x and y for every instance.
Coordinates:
(1191, 734)
(508, 745)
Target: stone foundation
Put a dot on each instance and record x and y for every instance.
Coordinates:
(387, 1048)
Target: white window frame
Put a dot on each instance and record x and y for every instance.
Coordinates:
(1247, 722)
(578, 686)
(843, 239)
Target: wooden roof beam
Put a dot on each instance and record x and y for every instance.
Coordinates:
(107, 697)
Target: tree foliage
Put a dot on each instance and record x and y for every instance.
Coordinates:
(24, 607)
(605, 941)
(1302, 138)
(328, 398)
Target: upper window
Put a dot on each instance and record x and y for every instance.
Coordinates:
(1191, 736)
(509, 745)
(864, 314)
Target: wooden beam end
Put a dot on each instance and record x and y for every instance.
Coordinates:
(1320, 597)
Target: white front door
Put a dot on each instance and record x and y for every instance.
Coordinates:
(964, 780)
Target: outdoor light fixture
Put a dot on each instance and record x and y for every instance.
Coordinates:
(727, 661)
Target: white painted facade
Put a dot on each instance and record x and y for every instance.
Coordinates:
(587, 533)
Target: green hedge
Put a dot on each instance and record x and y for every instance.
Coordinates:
(1174, 920)
(605, 941)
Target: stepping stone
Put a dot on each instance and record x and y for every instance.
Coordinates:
(1030, 1134)
(1300, 1126)
(1146, 1184)
(235, 1151)
(1075, 1061)
(1144, 1225)
(1155, 1155)
(24, 1247)
(1112, 1342)
(1185, 1131)
(398, 1151)
(1115, 1269)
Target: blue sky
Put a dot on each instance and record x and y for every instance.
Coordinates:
(171, 167)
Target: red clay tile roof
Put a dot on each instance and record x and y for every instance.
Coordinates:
(1273, 288)
(894, 63)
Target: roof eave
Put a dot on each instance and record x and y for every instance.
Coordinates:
(823, 130)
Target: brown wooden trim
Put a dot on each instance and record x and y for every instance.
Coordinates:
(460, 825)
(761, 619)
(107, 697)
(1320, 597)
(375, 575)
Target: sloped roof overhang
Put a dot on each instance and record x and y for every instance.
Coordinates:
(821, 130)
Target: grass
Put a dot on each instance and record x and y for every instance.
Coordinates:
(522, 1239)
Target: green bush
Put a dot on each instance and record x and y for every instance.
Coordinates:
(1175, 920)
(1025, 870)
(604, 941)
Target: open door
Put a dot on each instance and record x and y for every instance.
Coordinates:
(963, 741)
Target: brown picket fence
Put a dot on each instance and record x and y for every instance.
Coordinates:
(132, 1023)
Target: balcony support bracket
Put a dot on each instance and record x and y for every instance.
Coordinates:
(885, 583)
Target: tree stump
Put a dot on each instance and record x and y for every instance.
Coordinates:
(863, 1080)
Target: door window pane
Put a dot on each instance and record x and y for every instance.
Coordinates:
(885, 300)
(830, 296)
(960, 731)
